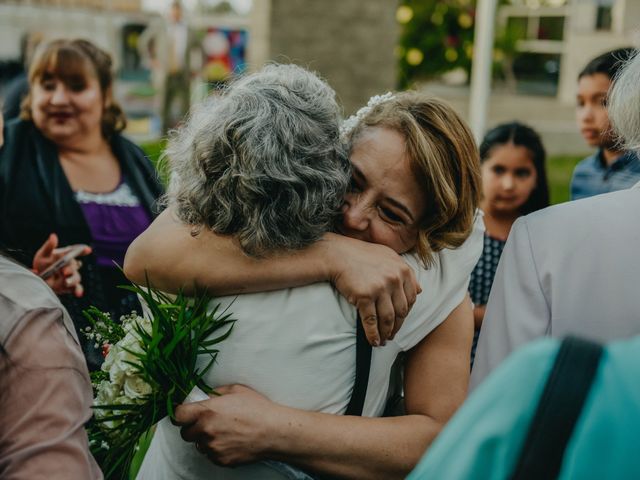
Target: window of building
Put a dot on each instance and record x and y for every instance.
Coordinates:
(603, 17)
(551, 28)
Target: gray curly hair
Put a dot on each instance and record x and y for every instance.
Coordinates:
(263, 161)
(624, 104)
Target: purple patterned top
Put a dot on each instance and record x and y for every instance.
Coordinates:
(115, 219)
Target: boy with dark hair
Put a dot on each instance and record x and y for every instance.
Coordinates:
(610, 168)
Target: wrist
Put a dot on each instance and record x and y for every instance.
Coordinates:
(278, 434)
(327, 257)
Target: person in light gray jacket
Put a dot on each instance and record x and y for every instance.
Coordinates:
(571, 268)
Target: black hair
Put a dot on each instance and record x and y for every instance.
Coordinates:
(608, 63)
(523, 136)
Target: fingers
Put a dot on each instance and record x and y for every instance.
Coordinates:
(401, 309)
(386, 317)
(411, 290)
(190, 432)
(42, 259)
(71, 281)
(403, 301)
(60, 252)
(201, 448)
(369, 320)
(227, 389)
(187, 414)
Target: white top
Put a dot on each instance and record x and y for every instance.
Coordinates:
(297, 347)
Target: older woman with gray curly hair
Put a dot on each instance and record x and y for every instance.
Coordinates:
(262, 162)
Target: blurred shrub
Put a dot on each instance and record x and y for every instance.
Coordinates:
(436, 37)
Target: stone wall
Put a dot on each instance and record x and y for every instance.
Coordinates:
(349, 42)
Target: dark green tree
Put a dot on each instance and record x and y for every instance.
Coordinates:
(437, 36)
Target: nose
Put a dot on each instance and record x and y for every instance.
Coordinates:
(507, 182)
(356, 214)
(60, 95)
(586, 112)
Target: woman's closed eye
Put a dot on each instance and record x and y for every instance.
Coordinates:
(391, 216)
(354, 185)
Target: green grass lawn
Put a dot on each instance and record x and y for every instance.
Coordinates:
(559, 169)
(154, 150)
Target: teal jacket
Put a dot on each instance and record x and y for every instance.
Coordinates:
(483, 440)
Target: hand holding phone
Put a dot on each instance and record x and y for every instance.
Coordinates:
(74, 252)
(58, 267)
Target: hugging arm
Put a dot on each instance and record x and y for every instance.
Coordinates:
(372, 277)
(242, 426)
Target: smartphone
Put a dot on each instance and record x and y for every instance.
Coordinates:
(75, 251)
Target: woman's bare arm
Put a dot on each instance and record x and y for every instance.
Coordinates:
(478, 315)
(242, 426)
(173, 258)
(372, 277)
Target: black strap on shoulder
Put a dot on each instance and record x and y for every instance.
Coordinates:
(558, 410)
(363, 365)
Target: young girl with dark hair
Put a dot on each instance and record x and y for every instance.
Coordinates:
(514, 183)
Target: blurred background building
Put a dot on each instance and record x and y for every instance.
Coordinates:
(361, 47)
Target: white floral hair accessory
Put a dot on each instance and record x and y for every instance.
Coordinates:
(352, 122)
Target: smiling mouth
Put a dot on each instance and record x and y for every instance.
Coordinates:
(61, 116)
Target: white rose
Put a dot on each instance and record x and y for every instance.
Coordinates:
(145, 324)
(117, 372)
(120, 358)
(107, 393)
(135, 387)
(110, 358)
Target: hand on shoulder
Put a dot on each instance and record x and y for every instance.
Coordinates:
(376, 280)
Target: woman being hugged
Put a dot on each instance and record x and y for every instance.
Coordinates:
(514, 183)
(66, 169)
(414, 190)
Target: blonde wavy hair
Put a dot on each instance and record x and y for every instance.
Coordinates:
(445, 160)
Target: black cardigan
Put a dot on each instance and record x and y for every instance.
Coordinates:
(36, 200)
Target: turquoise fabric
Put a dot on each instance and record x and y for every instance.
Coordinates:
(484, 439)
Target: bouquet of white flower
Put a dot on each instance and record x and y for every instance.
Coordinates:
(150, 367)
